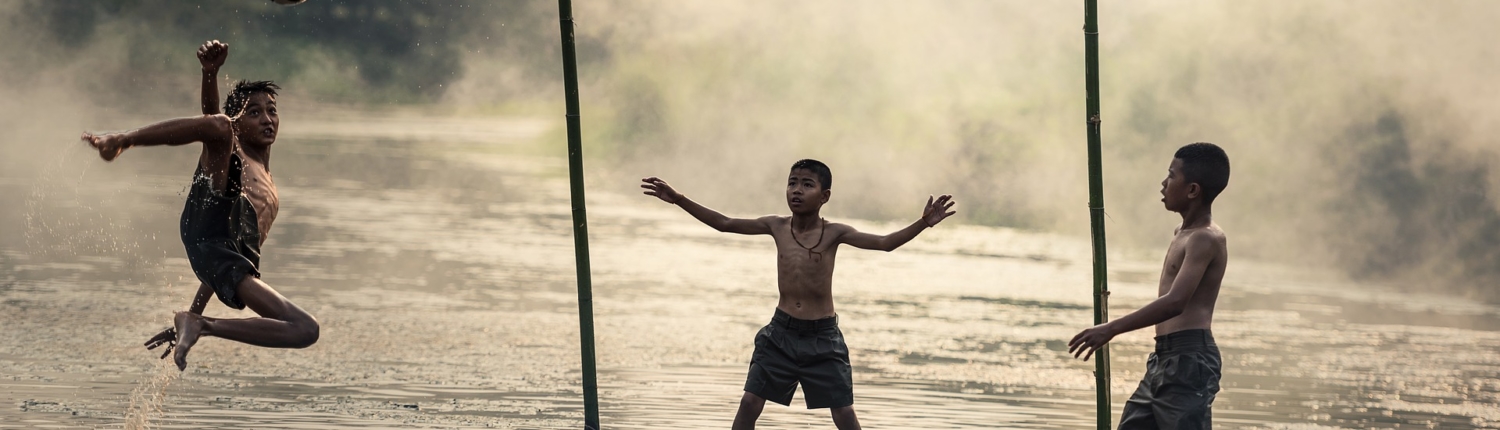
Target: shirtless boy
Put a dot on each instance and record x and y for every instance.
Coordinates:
(1182, 376)
(228, 214)
(803, 342)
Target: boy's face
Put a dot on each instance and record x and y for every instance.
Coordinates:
(1176, 191)
(804, 192)
(258, 121)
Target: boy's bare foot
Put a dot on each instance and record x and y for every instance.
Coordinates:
(188, 327)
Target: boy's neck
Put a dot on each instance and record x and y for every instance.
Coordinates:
(260, 154)
(805, 221)
(1196, 216)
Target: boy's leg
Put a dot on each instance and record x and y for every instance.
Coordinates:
(282, 324)
(844, 418)
(1185, 397)
(1139, 413)
(750, 407)
(827, 376)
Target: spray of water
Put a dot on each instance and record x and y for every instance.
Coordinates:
(148, 399)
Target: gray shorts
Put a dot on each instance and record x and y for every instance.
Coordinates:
(1182, 378)
(791, 350)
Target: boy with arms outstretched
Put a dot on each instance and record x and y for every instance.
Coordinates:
(228, 215)
(1182, 376)
(803, 342)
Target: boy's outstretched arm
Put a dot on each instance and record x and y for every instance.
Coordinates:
(1199, 253)
(658, 188)
(935, 212)
(211, 55)
(213, 130)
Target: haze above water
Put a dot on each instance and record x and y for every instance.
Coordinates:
(438, 258)
(425, 218)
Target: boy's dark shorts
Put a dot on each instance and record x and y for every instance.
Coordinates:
(791, 350)
(1182, 378)
(221, 234)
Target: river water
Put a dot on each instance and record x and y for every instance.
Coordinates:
(437, 254)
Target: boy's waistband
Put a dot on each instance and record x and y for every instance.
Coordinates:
(787, 321)
(1197, 339)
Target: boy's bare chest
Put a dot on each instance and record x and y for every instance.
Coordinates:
(260, 189)
(805, 258)
(1176, 252)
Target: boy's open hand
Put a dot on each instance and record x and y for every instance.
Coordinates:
(167, 337)
(937, 210)
(658, 188)
(212, 55)
(1089, 340)
(109, 145)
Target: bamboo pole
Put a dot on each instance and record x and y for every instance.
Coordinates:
(1096, 205)
(580, 220)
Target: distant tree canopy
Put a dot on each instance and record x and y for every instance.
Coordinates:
(397, 50)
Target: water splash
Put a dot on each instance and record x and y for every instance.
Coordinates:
(147, 399)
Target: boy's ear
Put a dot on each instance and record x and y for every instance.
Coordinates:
(827, 192)
(1194, 190)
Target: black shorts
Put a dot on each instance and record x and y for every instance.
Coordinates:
(221, 234)
(790, 350)
(1182, 378)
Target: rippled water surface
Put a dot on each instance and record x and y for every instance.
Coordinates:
(437, 254)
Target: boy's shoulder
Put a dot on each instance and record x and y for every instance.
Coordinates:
(1208, 238)
(773, 218)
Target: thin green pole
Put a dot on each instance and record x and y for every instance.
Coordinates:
(1096, 205)
(580, 220)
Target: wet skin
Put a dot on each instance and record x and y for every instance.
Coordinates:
(250, 134)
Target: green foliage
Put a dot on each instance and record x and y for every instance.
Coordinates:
(395, 51)
(1411, 212)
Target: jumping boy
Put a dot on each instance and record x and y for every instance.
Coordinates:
(228, 215)
(803, 342)
(1182, 376)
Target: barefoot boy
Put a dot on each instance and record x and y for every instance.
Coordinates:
(803, 342)
(228, 214)
(1182, 376)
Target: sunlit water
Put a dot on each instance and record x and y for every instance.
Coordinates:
(438, 256)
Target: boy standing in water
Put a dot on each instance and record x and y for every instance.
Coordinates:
(228, 214)
(803, 342)
(1182, 376)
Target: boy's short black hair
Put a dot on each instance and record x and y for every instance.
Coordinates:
(1207, 165)
(825, 176)
(241, 93)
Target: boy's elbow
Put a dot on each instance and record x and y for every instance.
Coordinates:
(1176, 307)
(220, 123)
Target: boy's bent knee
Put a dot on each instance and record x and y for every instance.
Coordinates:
(307, 333)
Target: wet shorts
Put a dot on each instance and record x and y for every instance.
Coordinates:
(221, 234)
(1182, 378)
(791, 350)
